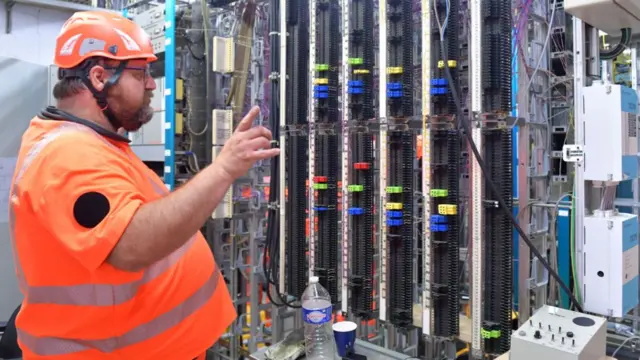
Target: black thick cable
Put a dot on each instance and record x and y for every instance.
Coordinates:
(271, 251)
(501, 201)
(624, 43)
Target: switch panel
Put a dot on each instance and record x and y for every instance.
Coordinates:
(559, 334)
(152, 21)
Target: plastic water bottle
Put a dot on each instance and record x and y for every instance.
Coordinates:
(317, 316)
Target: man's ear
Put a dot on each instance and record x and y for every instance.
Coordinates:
(98, 76)
(122, 132)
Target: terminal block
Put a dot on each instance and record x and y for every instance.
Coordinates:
(223, 55)
(222, 121)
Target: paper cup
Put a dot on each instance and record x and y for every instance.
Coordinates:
(345, 334)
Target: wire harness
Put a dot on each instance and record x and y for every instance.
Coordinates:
(327, 119)
(297, 144)
(401, 145)
(361, 184)
(444, 223)
(498, 243)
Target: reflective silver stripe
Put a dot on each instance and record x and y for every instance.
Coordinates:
(103, 294)
(85, 294)
(50, 346)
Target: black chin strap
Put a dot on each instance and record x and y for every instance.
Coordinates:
(82, 72)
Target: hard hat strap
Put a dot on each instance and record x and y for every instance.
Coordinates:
(82, 72)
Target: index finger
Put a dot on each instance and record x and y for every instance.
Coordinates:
(247, 120)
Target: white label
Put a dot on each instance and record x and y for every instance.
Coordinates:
(630, 267)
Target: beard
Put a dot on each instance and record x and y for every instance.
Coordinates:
(131, 119)
(139, 118)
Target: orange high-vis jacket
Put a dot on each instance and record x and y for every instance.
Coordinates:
(74, 193)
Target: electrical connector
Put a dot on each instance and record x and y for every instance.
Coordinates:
(223, 55)
(222, 121)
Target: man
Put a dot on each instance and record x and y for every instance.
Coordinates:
(112, 265)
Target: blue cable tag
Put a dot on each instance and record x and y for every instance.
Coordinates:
(317, 316)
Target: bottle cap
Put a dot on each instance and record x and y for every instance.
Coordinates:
(313, 280)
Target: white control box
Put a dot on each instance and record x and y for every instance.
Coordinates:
(610, 132)
(610, 282)
(559, 334)
(607, 15)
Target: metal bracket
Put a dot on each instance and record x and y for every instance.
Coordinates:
(573, 153)
(8, 9)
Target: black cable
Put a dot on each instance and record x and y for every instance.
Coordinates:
(618, 49)
(494, 190)
(271, 251)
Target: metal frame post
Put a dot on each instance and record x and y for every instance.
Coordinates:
(283, 141)
(427, 310)
(346, 161)
(477, 235)
(169, 93)
(312, 135)
(636, 182)
(382, 139)
(579, 191)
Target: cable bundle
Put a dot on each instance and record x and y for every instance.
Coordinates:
(400, 162)
(295, 157)
(325, 183)
(360, 90)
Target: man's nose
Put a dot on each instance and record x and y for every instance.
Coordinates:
(151, 83)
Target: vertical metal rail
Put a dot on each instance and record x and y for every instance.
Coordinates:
(383, 156)
(427, 310)
(169, 93)
(346, 239)
(313, 5)
(283, 141)
(476, 222)
(579, 192)
(636, 182)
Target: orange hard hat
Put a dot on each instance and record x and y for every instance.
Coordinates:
(89, 34)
